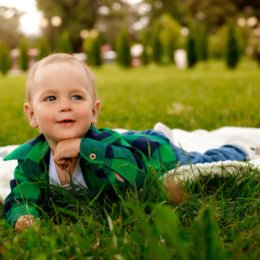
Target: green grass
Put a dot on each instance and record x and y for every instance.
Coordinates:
(220, 219)
(208, 97)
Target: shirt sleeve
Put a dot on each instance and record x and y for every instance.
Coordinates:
(22, 199)
(124, 160)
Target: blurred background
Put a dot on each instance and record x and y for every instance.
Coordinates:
(129, 32)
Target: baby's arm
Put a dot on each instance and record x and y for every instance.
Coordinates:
(129, 167)
(69, 149)
(65, 151)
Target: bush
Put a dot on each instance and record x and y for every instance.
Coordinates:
(64, 43)
(217, 43)
(232, 54)
(5, 59)
(166, 38)
(44, 48)
(123, 50)
(170, 37)
(157, 50)
(23, 57)
(202, 43)
(191, 51)
(145, 55)
(146, 48)
(92, 47)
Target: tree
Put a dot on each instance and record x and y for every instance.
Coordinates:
(92, 48)
(177, 9)
(43, 47)
(146, 54)
(167, 29)
(123, 50)
(191, 50)
(232, 55)
(23, 57)
(157, 50)
(251, 7)
(202, 42)
(213, 13)
(5, 59)
(75, 16)
(217, 43)
(9, 21)
(64, 44)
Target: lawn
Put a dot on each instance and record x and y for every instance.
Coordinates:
(220, 219)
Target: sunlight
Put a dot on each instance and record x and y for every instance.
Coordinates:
(30, 20)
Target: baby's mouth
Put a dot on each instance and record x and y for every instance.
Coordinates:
(66, 122)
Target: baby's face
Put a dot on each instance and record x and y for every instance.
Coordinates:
(61, 105)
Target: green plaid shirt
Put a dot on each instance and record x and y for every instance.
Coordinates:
(103, 152)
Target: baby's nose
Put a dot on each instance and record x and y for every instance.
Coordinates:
(65, 105)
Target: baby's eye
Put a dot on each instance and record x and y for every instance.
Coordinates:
(51, 98)
(76, 97)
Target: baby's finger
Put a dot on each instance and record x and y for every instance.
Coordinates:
(64, 163)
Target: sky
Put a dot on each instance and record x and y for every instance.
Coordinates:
(30, 21)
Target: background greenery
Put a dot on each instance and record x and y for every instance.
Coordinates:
(208, 97)
(158, 28)
(219, 220)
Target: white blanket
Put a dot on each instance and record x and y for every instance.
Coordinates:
(198, 140)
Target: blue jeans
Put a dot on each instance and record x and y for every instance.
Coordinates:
(223, 153)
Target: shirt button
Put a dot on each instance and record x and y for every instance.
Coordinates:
(92, 156)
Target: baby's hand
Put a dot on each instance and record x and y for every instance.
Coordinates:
(65, 151)
(24, 222)
(173, 190)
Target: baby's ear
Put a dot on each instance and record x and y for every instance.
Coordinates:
(95, 111)
(30, 114)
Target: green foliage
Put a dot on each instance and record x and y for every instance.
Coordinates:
(9, 26)
(166, 38)
(64, 43)
(201, 243)
(146, 54)
(232, 53)
(43, 47)
(75, 16)
(213, 13)
(23, 55)
(123, 50)
(207, 245)
(157, 50)
(191, 49)
(219, 220)
(184, 99)
(202, 43)
(5, 59)
(217, 43)
(92, 48)
(257, 56)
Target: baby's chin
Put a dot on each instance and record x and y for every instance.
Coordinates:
(65, 137)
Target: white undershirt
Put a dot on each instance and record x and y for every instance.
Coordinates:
(76, 177)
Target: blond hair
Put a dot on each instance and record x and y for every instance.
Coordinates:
(58, 58)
